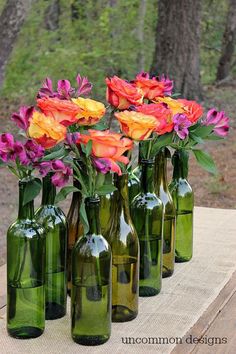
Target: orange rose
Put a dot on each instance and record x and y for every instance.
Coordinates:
(63, 111)
(90, 111)
(151, 88)
(46, 130)
(192, 109)
(121, 94)
(162, 114)
(174, 105)
(109, 146)
(137, 126)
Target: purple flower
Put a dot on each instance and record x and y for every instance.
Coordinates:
(7, 147)
(64, 89)
(20, 153)
(22, 117)
(84, 86)
(102, 165)
(44, 167)
(62, 173)
(168, 84)
(181, 125)
(47, 89)
(72, 138)
(219, 120)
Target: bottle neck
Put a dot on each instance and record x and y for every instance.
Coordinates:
(92, 210)
(161, 170)
(180, 163)
(147, 171)
(49, 191)
(25, 211)
(122, 200)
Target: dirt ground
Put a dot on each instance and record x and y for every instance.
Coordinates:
(210, 191)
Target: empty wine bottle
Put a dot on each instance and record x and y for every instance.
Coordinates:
(25, 271)
(91, 283)
(147, 216)
(183, 198)
(124, 243)
(162, 191)
(54, 222)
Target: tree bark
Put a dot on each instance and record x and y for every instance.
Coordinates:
(228, 43)
(178, 45)
(51, 15)
(11, 20)
(140, 33)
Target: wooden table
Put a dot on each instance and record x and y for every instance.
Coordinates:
(219, 320)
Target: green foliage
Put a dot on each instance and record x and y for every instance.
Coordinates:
(205, 161)
(97, 40)
(32, 189)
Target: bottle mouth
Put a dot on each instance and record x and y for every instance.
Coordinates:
(92, 200)
(25, 180)
(150, 161)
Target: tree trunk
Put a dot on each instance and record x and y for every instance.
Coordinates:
(177, 45)
(140, 33)
(228, 43)
(11, 21)
(51, 16)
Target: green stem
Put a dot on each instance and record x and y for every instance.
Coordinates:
(111, 118)
(149, 149)
(80, 179)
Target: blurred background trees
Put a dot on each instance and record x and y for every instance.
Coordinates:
(191, 40)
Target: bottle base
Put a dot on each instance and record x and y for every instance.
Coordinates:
(167, 273)
(145, 291)
(25, 332)
(182, 259)
(122, 314)
(54, 311)
(90, 340)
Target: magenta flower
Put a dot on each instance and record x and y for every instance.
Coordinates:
(102, 165)
(64, 89)
(72, 138)
(47, 89)
(181, 125)
(62, 173)
(22, 117)
(84, 86)
(44, 167)
(7, 147)
(168, 84)
(219, 120)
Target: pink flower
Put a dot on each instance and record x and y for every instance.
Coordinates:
(44, 167)
(219, 120)
(72, 138)
(22, 117)
(33, 151)
(47, 89)
(168, 84)
(84, 86)
(64, 89)
(181, 125)
(62, 173)
(102, 165)
(7, 147)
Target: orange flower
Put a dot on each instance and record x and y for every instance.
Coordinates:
(192, 110)
(151, 88)
(63, 111)
(174, 105)
(110, 146)
(46, 130)
(137, 126)
(90, 111)
(121, 94)
(162, 114)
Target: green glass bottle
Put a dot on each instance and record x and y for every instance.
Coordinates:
(134, 183)
(75, 228)
(169, 226)
(54, 222)
(106, 206)
(147, 216)
(124, 243)
(183, 198)
(91, 283)
(25, 272)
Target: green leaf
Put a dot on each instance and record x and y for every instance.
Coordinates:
(106, 189)
(214, 137)
(83, 217)
(2, 163)
(174, 95)
(63, 193)
(88, 148)
(58, 154)
(203, 131)
(100, 126)
(161, 141)
(32, 189)
(100, 180)
(196, 138)
(205, 161)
